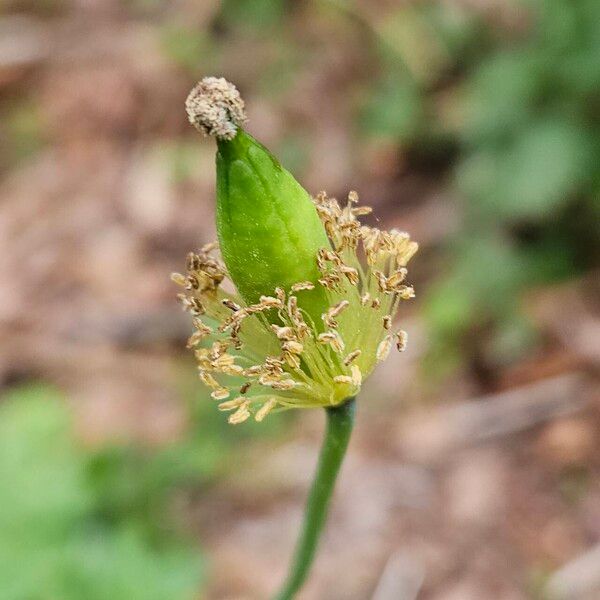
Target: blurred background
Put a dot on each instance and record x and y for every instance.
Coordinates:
(474, 473)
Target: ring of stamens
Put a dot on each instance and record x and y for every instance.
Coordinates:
(288, 361)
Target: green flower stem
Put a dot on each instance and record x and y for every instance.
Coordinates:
(340, 420)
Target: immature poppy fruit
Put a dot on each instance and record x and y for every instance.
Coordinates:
(309, 321)
(269, 231)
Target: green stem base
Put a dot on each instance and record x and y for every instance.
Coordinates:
(340, 420)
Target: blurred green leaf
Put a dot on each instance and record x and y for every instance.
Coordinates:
(119, 564)
(186, 47)
(39, 459)
(521, 107)
(395, 109)
(490, 271)
(533, 175)
(501, 95)
(455, 25)
(253, 14)
(446, 306)
(52, 544)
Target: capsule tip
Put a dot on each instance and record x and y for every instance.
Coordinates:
(215, 108)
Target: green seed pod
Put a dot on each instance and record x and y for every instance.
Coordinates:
(268, 227)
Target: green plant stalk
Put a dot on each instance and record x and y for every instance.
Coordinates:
(340, 421)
